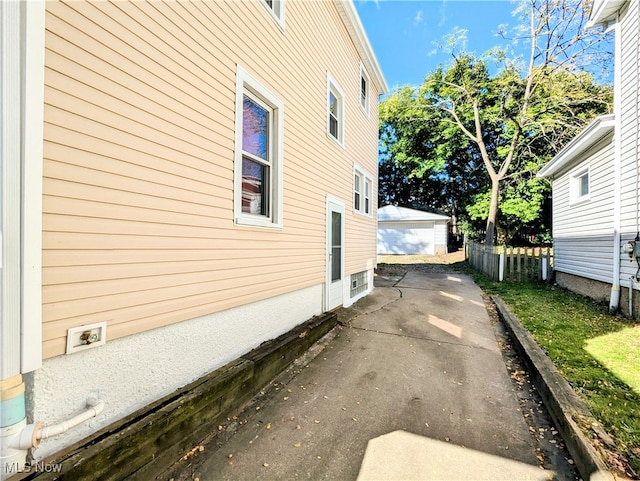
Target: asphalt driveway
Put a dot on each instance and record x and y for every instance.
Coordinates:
(412, 386)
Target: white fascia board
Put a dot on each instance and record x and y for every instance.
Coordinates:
(604, 12)
(351, 18)
(589, 136)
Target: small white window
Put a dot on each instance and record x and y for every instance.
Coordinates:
(335, 111)
(258, 154)
(367, 196)
(364, 90)
(276, 8)
(580, 185)
(362, 191)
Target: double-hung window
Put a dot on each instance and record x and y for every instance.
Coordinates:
(362, 191)
(258, 159)
(335, 111)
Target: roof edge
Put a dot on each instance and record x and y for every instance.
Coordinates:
(352, 19)
(587, 138)
(604, 12)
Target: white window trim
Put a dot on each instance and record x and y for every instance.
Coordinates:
(574, 188)
(245, 82)
(365, 75)
(333, 86)
(277, 11)
(365, 177)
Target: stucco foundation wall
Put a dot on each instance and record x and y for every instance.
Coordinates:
(131, 372)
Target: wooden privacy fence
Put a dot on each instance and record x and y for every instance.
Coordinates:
(516, 264)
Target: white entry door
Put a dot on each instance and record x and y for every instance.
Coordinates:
(335, 253)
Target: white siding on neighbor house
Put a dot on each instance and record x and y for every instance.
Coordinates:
(583, 232)
(630, 138)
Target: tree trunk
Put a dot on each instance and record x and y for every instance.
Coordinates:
(490, 235)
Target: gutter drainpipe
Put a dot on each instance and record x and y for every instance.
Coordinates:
(614, 300)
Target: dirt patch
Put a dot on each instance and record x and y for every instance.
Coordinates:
(451, 258)
(398, 265)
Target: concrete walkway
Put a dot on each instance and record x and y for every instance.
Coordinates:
(413, 387)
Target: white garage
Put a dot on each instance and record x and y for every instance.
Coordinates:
(409, 231)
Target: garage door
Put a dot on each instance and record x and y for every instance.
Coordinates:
(406, 238)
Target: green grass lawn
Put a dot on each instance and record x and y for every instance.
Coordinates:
(599, 354)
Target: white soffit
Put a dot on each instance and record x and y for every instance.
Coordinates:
(604, 12)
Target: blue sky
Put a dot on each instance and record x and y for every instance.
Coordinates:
(403, 33)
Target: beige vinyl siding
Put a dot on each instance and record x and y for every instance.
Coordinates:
(583, 231)
(139, 147)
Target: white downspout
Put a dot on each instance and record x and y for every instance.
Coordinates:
(614, 300)
(633, 282)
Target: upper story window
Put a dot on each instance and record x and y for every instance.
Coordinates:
(365, 95)
(362, 191)
(580, 185)
(335, 111)
(258, 159)
(276, 8)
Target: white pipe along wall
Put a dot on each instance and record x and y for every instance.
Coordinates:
(614, 300)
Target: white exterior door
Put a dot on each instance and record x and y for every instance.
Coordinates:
(334, 254)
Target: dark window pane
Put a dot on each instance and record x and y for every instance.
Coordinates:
(336, 264)
(336, 229)
(356, 201)
(336, 246)
(333, 126)
(255, 179)
(255, 128)
(363, 91)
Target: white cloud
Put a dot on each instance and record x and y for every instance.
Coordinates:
(418, 18)
(443, 13)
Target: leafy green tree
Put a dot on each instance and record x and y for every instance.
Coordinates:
(512, 121)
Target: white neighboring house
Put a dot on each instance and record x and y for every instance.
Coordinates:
(583, 193)
(409, 231)
(596, 179)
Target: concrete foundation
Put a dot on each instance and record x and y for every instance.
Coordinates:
(599, 291)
